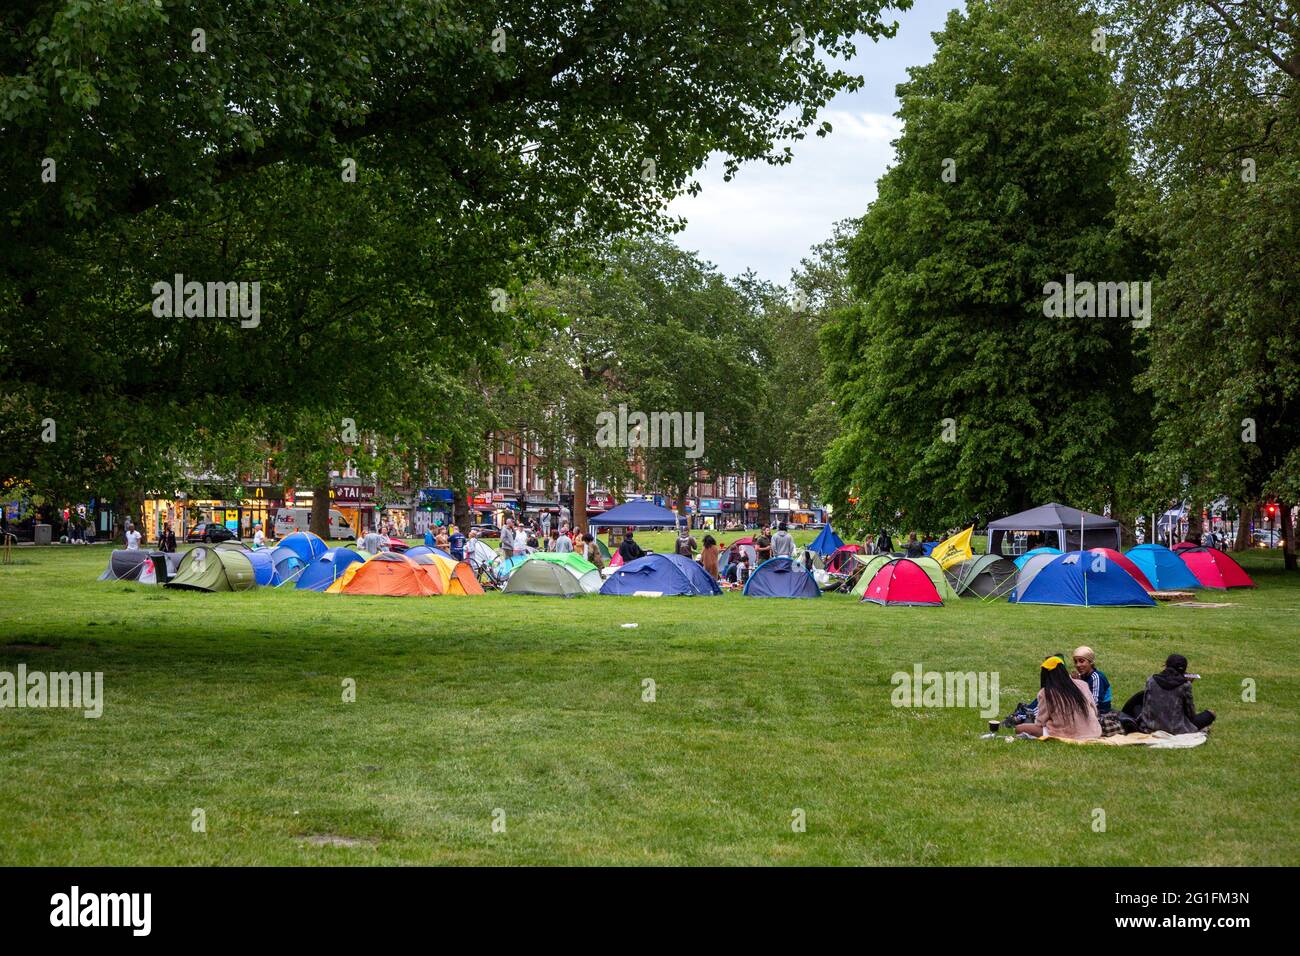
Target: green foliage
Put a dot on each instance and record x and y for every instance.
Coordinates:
(949, 338)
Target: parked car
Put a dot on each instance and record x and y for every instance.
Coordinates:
(1266, 539)
(487, 530)
(209, 532)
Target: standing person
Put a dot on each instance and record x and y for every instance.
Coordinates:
(167, 542)
(782, 542)
(709, 556)
(132, 538)
(259, 537)
(685, 545)
(456, 543)
(914, 548)
(884, 543)
(508, 539)
(560, 543)
(441, 540)
(1065, 707)
(589, 550)
(629, 550)
(762, 546)
(373, 542)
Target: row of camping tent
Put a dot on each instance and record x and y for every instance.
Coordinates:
(301, 560)
(1099, 577)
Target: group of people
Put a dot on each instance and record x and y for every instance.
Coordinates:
(1078, 705)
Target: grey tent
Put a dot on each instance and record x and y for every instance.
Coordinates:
(1066, 522)
(982, 576)
(551, 579)
(127, 565)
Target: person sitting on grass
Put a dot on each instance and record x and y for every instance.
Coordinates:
(1065, 707)
(1167, 701)
(1085, 666)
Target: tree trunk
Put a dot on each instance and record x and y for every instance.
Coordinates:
(1194, 523)
(460, 513)
(1244, 513)
(1288, 535)
(763, 490)
(320, 510)
(681, 505)
(579, 515)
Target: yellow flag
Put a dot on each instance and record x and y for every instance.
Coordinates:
(953, 550)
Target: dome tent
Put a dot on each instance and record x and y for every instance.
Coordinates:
(1162, 567)
(867, 568)
(309, 546)
(388, 574)
(1134, 571)
(1082, 579)
(1215, 569)
(551, 579)
(902, 582)
(656, 575)
(328, 568)
(781, 578)
(214, 569)
(984, 575)
(288, 565)
(1033, 552)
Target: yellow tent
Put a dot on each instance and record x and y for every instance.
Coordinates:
(953, 550)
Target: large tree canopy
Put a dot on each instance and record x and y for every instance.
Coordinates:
(959, 395)
(216, 140)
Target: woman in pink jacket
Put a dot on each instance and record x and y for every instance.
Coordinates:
(1065, 706)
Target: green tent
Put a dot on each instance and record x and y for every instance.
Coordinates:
(214, 569)
(869, 565)
(574, 562)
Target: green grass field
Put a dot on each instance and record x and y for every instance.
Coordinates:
(232, 703)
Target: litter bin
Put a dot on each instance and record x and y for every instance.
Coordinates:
(41, 534)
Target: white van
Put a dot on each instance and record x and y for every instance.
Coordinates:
(289, 520)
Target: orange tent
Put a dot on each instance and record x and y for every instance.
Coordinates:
(463, 580)
(392, 574)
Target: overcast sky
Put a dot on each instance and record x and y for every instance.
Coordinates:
(768, 217)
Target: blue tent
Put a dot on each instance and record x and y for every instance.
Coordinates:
(1083, 579)
(636, 514)
(1163, 568)
(263, 568)
(1020, 561)
(781, 578)
(326, 569)
(827, 542)
(657, 575)
(288, 565)
(309, 546)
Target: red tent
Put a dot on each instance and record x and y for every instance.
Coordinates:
(1214, 569)
(842, 556)
(1127, 564)
(902, 582)
(1184, 545)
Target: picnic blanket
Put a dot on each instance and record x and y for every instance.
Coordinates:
(1160, 740)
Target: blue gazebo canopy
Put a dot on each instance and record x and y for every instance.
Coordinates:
(636, 514)
(826, 543)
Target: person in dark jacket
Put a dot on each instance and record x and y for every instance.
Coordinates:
(884, 543)
(167, 540)
(629, 550)
(914, 548)
(1167, 701)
